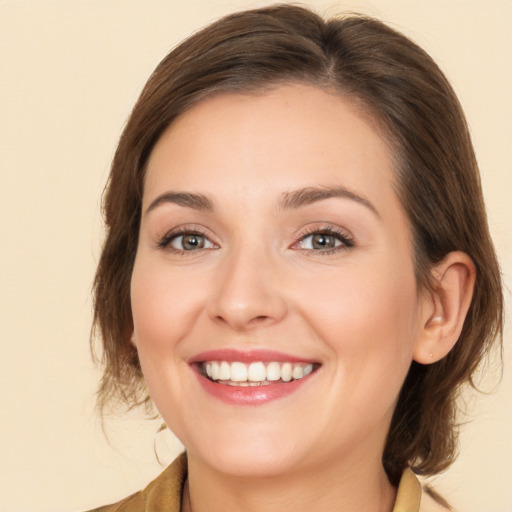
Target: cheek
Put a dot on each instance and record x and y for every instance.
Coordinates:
(164, 304)
(164, 307)
(368, 319)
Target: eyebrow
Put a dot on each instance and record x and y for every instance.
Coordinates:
(309, 195)
(186, 199)
(289, 200)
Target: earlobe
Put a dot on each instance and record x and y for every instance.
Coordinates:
(133, 341)
(445, 307)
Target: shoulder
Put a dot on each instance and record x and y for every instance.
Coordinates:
(161, 495)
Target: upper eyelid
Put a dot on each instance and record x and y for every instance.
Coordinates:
(188, 228)
(334, 230)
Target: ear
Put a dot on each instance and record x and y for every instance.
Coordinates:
(444, 308)
(133, 341)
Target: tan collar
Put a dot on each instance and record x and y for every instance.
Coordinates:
(408, 497)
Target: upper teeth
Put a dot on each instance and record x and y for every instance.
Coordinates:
(256, 372)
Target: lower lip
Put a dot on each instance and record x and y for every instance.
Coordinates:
(250, 395)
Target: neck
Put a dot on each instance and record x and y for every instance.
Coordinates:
(350, 485)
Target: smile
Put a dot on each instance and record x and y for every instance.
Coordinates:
(258, 373)
(253, 377)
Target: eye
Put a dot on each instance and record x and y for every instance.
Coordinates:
(325, 240)
(186, 241)
(320, 241)
(190, 242)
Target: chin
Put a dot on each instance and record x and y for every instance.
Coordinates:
(253, 464)
(250, 454)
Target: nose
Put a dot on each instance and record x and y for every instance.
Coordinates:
(247, 293)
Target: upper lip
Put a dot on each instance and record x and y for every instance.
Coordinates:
(247, 356)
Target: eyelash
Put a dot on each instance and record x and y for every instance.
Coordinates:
(345, 238)
(347, 241)
(165, 241)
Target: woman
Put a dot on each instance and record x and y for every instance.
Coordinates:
(297, 266)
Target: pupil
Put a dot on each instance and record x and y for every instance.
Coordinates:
(322, 241)
(193, 242)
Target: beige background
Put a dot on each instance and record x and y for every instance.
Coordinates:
(70, 72)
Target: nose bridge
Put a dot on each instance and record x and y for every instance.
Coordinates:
(246, 294)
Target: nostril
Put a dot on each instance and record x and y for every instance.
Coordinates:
(259, 319)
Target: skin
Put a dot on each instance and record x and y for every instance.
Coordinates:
(258, 283)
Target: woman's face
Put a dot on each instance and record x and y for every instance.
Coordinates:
(271, 244)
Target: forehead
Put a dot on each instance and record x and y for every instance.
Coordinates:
(287, 137)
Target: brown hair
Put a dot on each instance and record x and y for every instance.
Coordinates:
(403, 91)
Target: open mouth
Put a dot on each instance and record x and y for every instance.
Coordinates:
(236, 373)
